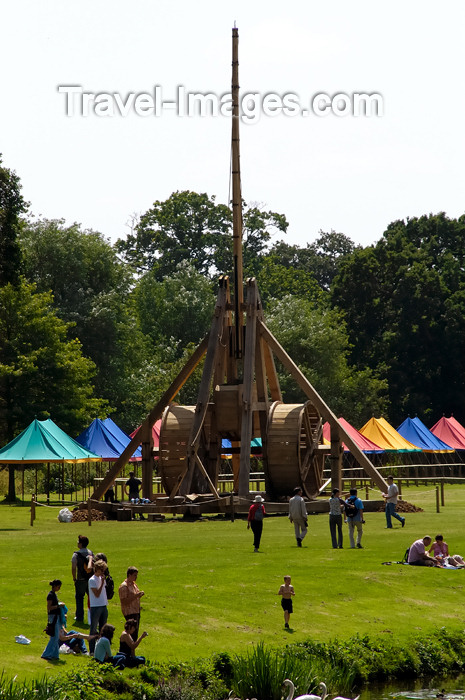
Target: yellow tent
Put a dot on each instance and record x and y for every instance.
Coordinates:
(381, 433)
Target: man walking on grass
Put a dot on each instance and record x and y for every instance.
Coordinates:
(391, 502)
(298, 515)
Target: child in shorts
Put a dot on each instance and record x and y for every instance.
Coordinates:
(286, 591)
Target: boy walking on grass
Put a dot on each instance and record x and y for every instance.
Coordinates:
(286, 591)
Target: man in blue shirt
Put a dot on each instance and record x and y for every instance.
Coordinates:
(354, 514)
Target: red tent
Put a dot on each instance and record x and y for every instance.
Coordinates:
(155, 435)
(364, 443)
(450, 431)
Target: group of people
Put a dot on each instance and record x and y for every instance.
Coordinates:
(92, 579)
(352, 508)
(419, 556)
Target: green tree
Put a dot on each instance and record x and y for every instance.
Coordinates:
(91, 290)
(178, 309)
(191, 227)
(12, 205)
(316, 340)
(403, 303)
(276, 279)
(320, 259)
(42, 373)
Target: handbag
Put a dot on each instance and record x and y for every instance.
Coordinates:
(50, 629)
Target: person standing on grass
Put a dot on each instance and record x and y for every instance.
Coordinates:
(81, 569)
(255, 520)
(286, 592)
(354, 513)
(51, 651)
(132, 488)
(298, 515)
(336, 505)
(130, 595)
(391, 502)
(98, 601)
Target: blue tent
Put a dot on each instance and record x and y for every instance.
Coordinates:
(255, 446)
(107, 440)
(413, 430)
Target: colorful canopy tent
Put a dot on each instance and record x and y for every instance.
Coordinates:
(386, 437)
(255, 448)
(44, 441)
(155, 433)
(415, 431)
(106, 439)
(450, 431)
(363, 442)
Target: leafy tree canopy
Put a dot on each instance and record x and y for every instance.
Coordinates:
(177, 309)
(317, 341)
(12, 205)
(191, 226)
(401, 299)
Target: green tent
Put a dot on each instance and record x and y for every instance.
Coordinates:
(44, 441)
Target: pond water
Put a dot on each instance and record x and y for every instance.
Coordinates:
(447, 688)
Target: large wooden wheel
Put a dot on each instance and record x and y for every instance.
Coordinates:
(294, 433)
(175, 429)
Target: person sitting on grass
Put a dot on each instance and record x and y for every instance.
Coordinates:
(102, 651)
(440, 549)
(72, 640)
(126, 658)
(418, 556)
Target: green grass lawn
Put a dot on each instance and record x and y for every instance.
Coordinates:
(206, 591)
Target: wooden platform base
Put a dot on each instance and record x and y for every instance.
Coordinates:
(203, 505)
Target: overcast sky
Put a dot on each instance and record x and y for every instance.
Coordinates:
(350, 174)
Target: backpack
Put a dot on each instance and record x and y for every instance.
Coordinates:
(109, 586)
(350, 508)
(258, 515)
(81, 563)
(405, 559)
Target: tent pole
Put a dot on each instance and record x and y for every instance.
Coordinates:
(48, 483)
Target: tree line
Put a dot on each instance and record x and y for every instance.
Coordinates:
(89, 328)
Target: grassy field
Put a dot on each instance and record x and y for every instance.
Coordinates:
(206, 591)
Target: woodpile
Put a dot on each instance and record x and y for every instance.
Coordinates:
(81, 516)
(404, 507)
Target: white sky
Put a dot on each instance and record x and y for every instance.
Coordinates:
(354, 175)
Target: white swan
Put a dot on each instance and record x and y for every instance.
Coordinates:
(304, 697)
(339, 697)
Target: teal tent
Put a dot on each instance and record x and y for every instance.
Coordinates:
(44, 441)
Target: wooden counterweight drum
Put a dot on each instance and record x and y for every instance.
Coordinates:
(175, 429)
(294, 433)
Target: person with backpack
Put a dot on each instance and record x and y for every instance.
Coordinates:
(81, 569)
(255, 520)
(354, 513)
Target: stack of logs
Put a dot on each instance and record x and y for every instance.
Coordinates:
(81, 516)
(404, 507)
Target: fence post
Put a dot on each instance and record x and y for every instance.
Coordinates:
(33, 509)
(232, 508)
(442, 493)
(437, 499)
(367, 492)
(89, 513)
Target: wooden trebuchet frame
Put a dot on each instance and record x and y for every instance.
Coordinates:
(323, 408)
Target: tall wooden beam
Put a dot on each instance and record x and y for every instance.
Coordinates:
(322, 407)
(203, 396)
(247, 392)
